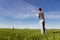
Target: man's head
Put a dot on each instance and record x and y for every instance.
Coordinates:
(40, 9)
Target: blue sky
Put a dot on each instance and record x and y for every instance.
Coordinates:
(21, 13)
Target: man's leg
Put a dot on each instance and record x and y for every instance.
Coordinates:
(43, 24)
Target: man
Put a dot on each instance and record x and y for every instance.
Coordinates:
(40, 15)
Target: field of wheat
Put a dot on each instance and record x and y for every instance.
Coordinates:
(29, 34)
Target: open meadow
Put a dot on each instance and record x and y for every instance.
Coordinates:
(29, 34)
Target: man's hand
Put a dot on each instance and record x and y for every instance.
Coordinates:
(37, 15)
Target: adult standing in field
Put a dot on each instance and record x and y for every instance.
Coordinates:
(40, 15)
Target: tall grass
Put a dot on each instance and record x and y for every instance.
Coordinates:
(29, 34)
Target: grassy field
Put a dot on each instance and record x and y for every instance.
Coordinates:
(29, 34)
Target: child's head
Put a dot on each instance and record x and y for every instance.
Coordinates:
(40, 9)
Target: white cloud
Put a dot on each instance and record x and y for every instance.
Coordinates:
(22, 16)
(19, 26)
(19, 9)
(27, 11)
(52, 15)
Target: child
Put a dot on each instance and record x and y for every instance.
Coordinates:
(40, 15)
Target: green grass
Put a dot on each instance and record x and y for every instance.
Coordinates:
(29, 34)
